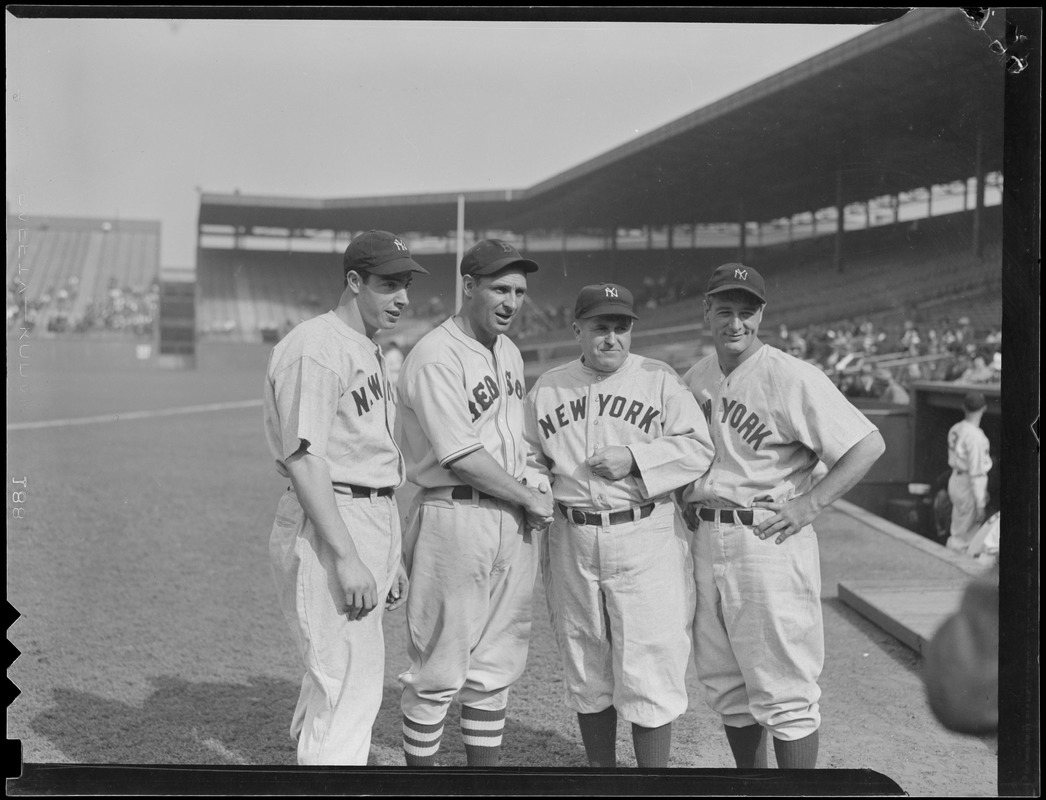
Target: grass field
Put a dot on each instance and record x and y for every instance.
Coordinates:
(150, 633)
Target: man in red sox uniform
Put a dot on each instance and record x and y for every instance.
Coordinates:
(758, 632)
(469, 554)
(618, 433)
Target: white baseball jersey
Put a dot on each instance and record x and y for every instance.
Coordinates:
(573, 411)
(968, 449)
(772, 419)
(457, 397)
(326, 385)
(968, 456)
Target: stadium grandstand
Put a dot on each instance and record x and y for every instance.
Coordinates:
(861, 194)
(81, 275)
(870, 201)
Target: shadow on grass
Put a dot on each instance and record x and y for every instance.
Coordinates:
(181, 722)
(223, 724)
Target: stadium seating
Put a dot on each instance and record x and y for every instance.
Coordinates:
(70, 268)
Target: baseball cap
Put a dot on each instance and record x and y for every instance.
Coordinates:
(487, 256)
(883, 375)
(736, 276)
(380, 253)
(604, 298)
(974, 401)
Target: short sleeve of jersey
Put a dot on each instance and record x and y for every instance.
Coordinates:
(306, 395)
(436, 393)
(819, 416)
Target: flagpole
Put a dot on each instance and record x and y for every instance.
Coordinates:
(461, 253)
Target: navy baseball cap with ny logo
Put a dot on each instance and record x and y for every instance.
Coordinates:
(380, 253)
(610, 299)
(736, 276)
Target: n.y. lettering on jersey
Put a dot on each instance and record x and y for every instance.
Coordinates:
(365, 401)
(747, 424)
(607, 405)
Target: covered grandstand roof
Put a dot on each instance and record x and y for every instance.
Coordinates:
(907, 105)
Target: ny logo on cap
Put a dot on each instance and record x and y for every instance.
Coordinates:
(611, 291)
(400, 245)
(741, 273)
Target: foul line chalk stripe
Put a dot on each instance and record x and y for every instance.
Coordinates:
(128, 415)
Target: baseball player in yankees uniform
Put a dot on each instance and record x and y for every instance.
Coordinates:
(618, 433)
(758, 633)
(467, 547)
(335, 543)
(970, 461)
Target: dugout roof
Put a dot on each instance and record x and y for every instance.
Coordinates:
(909, 104)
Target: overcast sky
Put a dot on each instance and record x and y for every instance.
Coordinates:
(129, 118)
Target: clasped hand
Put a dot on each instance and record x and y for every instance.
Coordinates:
(611, 463)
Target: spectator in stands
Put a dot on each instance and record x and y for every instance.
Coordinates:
(977, 372)
(993, 340)
(957, 366)
(996, 366)
(910, 339)
(888, 389)
(965, 332)
(863, 384)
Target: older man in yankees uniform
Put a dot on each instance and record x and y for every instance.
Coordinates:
(758, 633)
(335, 543)
(468, 550)
(618, 433)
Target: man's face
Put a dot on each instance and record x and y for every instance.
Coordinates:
(381, 299)
(494, 301)
(605, 340)
(734, 319)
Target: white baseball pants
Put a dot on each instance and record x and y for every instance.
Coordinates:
(344, 660)
(620, 600)
(472, 576)
(758, 631)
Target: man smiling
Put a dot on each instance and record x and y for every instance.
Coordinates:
(758, 635)
(617, 433)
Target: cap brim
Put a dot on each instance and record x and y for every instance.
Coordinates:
(503, 263)
(748, 289)
(608, 310)
(398, 265)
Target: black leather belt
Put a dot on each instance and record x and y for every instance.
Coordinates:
(363, 491)
(579, 517)
(743, 515)
(468, 493)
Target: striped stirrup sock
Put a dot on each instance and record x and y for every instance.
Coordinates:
(481, 732)
(421, 742)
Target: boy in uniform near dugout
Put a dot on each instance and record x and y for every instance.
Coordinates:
(335, 544)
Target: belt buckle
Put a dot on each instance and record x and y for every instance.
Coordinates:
(578, 517)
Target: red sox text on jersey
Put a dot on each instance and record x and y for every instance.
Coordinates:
(486, 392)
